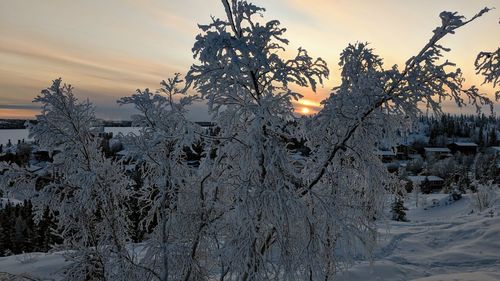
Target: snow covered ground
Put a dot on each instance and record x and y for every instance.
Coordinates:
(32, 266)
(4, 201)
(444, 240)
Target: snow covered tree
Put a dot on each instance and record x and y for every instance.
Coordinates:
(279, 219)
(169, 185)
(89, 192)
(245, 79)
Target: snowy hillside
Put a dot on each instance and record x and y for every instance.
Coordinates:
(443, 241)
(32, 266)
(5, 201)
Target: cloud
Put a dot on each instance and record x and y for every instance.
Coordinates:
(20, 106)
(117, 68)
(7, 113)
(107, 49)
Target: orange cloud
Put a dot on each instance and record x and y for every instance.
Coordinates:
(107, 49)
(7, 113)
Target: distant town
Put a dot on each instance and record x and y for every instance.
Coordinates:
(21, 123)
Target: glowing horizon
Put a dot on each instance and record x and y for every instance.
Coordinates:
(107, 49)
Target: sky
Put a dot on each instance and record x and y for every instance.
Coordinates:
(109, 48)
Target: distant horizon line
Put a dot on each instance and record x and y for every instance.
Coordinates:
(209, 121)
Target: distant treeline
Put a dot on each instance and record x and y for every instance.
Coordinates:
(20, 233)
(14, 123)
(481, 129)
(21, 123)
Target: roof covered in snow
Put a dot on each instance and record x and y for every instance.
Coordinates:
(465, 144)
(423, 178)
(384, 153)
(437, 149)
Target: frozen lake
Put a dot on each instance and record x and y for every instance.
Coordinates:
(13, 135)
(19, 134)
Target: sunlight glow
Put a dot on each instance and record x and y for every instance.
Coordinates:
(307, 102)
(17, 113)
(105, 63)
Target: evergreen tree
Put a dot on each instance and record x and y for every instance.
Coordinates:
(433, 134)
(7, 227)
(137, 207)
(480, 137)
(492, 137)
(398, 209)
(47, 231)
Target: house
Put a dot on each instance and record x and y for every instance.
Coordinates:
(386, 156)
(205, 124)
(427, 184)
(466, 148)
(437, 152)
(403, 152)
(42, 156)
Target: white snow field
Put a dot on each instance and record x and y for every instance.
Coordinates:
(32, 266)
(443, 240)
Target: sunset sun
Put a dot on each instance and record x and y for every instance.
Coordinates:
(305, 110)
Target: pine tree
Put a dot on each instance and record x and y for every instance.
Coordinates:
(137, 207)
(3, 239)
(492, 137)
(6, 216)
(30, 233)
(481, 136)
(433, 134)
(398, 209)
(21, 241)
(47, 231)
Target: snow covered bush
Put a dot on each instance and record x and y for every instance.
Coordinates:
(485, 195)
(456, 193)
(484, 167)
(415, 166)
(25, 258)
(443, 168)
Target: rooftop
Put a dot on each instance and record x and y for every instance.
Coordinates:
(384, 153)
(423, 178)
(437, 149)
(464, 144)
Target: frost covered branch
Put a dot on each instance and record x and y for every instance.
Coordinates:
(423, 79)
(488, 65)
